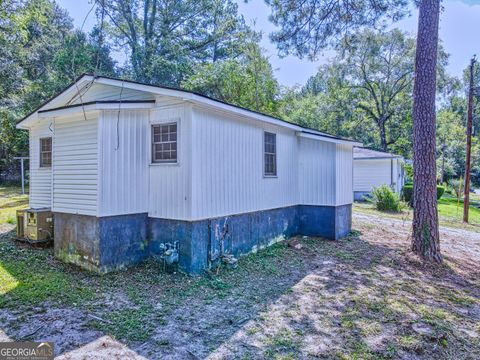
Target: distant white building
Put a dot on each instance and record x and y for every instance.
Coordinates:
(133, 170)
(373, 168)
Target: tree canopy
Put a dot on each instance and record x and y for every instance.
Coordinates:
(166, 39)
(363, 92)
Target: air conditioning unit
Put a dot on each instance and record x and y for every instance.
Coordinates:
(38, 225)
(20, 224)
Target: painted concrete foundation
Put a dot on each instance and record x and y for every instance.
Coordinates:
(109, 243)
(101, 244)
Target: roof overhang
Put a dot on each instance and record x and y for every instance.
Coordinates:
(325, 138)
(53, 108)
(378, 158)
(96, 105)
(84, 108)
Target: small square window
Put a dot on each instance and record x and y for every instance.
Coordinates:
(164, 143)
(46, 152)
(270, 154)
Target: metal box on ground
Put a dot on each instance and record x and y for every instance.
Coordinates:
(38, 225)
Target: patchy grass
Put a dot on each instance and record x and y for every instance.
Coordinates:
(11, 200)
(363, 297)
(29, 277)
(450, 213)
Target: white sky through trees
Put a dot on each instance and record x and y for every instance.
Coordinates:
(459, 28)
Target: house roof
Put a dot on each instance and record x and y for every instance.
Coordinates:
(86, 80)
(365, 154)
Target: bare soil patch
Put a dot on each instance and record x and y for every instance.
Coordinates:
(362, 297)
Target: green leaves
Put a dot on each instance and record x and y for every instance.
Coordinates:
(308, 27)
(41, 54)
(246, 81)
(166, 39)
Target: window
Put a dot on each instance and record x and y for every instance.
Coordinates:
(164, 143)
(270, 149)
(46, 152)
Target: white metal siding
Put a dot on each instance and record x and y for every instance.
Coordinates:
(371, 173)
(40, 178)
(344, 173)
(170, 185)
(219, 170)
(228, 166)
(316, 172)
(75, 164)
(124, 161)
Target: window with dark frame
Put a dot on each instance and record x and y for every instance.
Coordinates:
(270, 154)
(46, 152)
(164, 143)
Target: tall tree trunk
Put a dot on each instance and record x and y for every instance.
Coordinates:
(383, 135)
(425, 238)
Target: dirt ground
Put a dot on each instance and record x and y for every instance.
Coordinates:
(364, 297)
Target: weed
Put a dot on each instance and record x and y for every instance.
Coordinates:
(283, 341)
(409, 342)
(130, 324)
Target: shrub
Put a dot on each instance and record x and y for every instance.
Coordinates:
(408, 171)
(407, 193)
(384, 199)
(440, 191)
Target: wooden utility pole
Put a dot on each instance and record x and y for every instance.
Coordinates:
(466, 200)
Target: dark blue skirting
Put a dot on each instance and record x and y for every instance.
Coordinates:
(108, 243)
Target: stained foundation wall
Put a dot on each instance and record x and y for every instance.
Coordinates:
(109, 243)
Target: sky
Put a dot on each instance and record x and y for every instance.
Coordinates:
(459, 32)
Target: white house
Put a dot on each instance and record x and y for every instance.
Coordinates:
(374, 168)
(133, 170)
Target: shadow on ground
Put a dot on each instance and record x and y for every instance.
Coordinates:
(361, 297)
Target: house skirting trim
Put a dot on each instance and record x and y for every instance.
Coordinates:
(361, 195)
(113, 242)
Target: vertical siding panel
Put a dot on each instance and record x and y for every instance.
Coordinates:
(344, 171)
(317, 172)
(125, 170)
(230, 178)
(170, 184)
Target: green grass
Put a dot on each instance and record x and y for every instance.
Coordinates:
(133, 324)
(450, 212)
(360, 300)
(452, 209)
(29, 277)
(11, 200)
